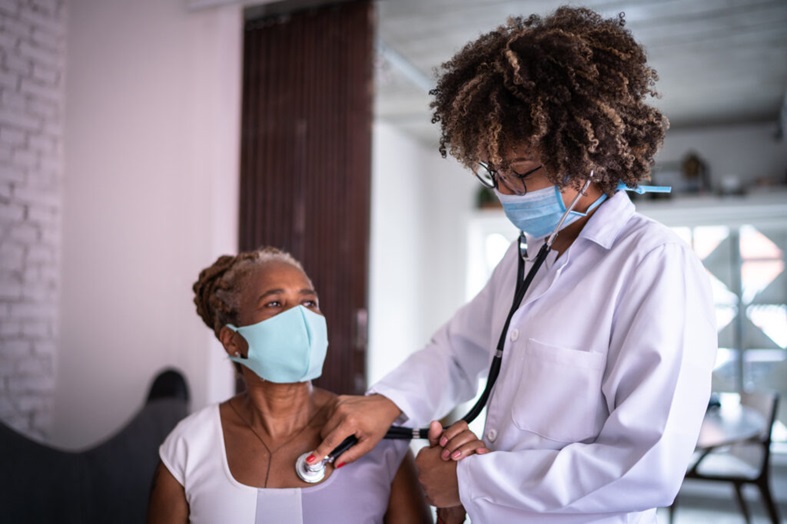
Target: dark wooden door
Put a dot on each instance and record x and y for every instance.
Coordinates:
(306, 163)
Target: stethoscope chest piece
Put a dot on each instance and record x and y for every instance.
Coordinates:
(311, 473)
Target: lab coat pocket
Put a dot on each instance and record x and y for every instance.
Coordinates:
(559, 392)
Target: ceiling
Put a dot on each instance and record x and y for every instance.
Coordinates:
(720, 62)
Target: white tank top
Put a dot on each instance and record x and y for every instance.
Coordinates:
(194, 453)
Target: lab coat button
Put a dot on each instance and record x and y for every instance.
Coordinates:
(514, 334)
(491, 435)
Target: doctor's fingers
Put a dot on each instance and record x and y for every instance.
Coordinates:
(461, 445)
(334, 437)
(473, 447)
(435, 431)
(458, 427)
(366, 418)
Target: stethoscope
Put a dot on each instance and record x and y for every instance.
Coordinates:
(313, 473)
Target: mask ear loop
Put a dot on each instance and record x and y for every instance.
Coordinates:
(571, 207)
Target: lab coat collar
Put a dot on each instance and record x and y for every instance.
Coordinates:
(606, 224)
(603, 227)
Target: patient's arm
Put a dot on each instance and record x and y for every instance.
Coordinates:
(167, 499)
(452, 515)
(407, 503)
(457, 442)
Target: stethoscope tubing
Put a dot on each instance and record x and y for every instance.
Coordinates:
(398, 432)
(406, 433)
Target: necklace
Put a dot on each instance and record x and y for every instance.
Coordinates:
(262, 441)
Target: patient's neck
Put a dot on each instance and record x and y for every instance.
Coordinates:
(279, 409)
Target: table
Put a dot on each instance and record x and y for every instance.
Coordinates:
(729, 423)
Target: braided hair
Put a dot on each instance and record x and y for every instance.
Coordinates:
(217, 290)
(571, 87)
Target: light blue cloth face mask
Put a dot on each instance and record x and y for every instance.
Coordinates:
(287, 348)
(538, 213)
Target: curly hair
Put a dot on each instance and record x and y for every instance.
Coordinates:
(217, 290)
(571, 87)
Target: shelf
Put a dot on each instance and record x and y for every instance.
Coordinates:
(763, 208)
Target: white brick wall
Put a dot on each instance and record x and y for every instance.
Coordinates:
(32, 66)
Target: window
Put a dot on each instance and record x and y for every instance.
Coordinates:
(742, 243)
(746, 268)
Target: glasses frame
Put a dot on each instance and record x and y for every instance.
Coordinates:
(491, 178)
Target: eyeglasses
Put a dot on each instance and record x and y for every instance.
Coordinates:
(513, 181)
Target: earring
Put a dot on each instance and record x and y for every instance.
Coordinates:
(236, 354)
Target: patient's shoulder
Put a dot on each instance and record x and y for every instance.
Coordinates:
(324, 399)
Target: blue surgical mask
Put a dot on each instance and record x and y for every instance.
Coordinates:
(287, 348)
(538, 213)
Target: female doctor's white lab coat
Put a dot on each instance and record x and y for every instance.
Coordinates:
(604, 381)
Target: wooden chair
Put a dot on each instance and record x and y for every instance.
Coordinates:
(745, 462)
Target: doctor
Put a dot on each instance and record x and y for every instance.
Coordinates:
(607, 361)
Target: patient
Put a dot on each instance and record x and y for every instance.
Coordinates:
(235, 461)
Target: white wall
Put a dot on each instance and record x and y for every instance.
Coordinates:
(152, 129)
(450, 191)
(150, 198)
(420, 207)
(749, 151)
(151, 147)
(32, 62)
(395, 276)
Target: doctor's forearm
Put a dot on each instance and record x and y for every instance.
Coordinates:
(425, 387)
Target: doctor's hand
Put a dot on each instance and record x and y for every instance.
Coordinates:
(437, 476)
(366, 417)
(457, 441)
